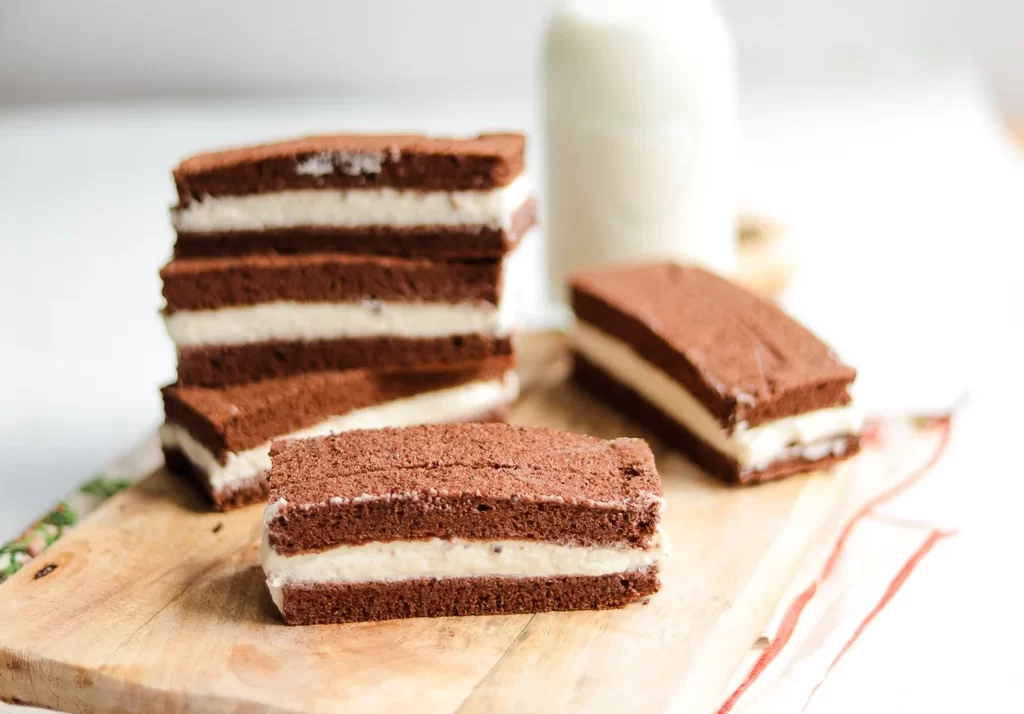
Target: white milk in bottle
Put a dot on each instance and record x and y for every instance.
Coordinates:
(641, 135)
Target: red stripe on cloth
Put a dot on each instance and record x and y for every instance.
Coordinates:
(786, 628)
(901, 577)
(792, 616)
(945, 424)
(871, 433)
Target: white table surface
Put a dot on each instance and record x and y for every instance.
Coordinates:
(905, 201)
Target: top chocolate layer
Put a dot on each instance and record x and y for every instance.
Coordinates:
(197, 284)
(347, 161)
(473, 481)
(741, 356)
(233, 419)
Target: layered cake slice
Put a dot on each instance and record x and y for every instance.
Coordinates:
(220, 438)
(726, 377)
(236, 320)
(413, 196)
(470, 519)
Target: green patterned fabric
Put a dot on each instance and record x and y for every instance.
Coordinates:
(105, 487)
(45, 532)
(37, 538)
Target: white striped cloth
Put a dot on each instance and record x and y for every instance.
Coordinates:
(855, 566)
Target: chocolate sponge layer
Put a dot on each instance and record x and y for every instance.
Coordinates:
(741, 356)
(322, 603)
(472, 481)
(237, 418)
(225, 365)
(355, 161)
(229, 282)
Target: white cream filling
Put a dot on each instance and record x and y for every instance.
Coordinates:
(457, 558)
(466, 401)
(353, 207)
(295, 321)
(814, 434)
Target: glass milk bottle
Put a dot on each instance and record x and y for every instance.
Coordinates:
(641, 135)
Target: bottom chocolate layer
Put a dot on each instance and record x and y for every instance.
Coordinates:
(595, 380)
(256, 489)
(248, 492)
(323, 603)
(223, 365)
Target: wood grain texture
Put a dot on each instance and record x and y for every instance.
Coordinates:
(153, 607)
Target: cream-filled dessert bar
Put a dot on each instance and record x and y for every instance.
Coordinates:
(466, 519)
(407, 195)
(220, 438)
(235, 320)
(726, 377)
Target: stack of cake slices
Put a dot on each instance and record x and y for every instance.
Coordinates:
(337, 282)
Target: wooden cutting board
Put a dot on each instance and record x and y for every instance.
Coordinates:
(154, 604)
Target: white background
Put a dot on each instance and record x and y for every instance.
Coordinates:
(55, 49)
(880, 150)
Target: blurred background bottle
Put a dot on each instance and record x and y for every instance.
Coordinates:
(641, 124)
